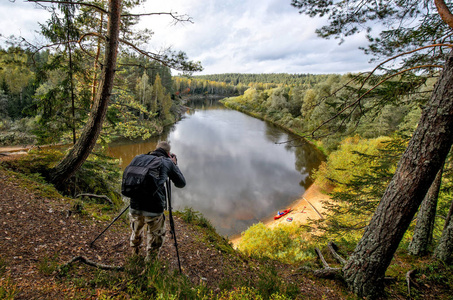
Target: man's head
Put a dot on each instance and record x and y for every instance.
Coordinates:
(164, 145)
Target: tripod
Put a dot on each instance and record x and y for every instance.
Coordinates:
(172, 223)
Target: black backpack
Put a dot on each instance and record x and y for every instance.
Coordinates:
(141, 176)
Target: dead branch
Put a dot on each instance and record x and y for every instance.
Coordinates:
(86, 261)
(151, 55)
(96, 196)
(340, 259)
(70, 2)
(326, 272)
(177, 18)
(401, 54)
(357, 101)
(314, 208)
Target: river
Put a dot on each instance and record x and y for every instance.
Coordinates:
(237, 174)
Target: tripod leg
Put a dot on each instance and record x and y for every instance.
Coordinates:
(114, 220)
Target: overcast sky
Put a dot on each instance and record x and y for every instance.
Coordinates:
(228, 36)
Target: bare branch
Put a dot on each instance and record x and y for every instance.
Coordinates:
(314, 208)
(70, 2)
(357, 101)
(175, 16)
(401, 54)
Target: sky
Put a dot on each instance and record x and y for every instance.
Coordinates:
(226, 36)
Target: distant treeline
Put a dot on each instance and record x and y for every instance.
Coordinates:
(275, 78)
(235, 84)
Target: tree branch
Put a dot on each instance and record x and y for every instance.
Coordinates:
(401, 54)
(70, 2)
(314, 208)
(177, 18)
(357, 101)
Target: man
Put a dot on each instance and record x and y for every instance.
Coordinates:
(150, 211)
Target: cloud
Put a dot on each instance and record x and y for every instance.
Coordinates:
(261, 37)
(21, 19)
(255, 36)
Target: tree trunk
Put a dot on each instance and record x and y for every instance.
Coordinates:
(425, 154)
(450, 212)
(85, 144)
(423, 232)
(444, 250)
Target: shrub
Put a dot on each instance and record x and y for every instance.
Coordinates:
(286, 242)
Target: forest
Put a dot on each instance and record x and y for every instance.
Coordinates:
(386, 134)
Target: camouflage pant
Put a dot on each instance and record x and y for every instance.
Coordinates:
(155, 232)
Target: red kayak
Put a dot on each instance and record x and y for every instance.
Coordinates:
(282, 213)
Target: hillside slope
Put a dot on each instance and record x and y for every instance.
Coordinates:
(38, 233)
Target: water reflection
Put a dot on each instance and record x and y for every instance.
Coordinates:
(236, 173)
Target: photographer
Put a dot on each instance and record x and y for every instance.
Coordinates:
(150, 211)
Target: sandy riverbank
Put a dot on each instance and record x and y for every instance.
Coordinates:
(309, 206)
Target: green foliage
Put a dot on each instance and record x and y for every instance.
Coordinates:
(356, 194)
(287, 243)
(150, 280)
(346, 162)
(8, 289)
(246, 293)
(100, 174)
(196, 218)
(329, 109)
(48, 265)
(210, 235)
(406, 25)
(17, 132)
(264, 80)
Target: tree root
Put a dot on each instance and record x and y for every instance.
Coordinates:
(327, 271)
(332, 247)
(86, 261)
(410, 281)
(96, 196)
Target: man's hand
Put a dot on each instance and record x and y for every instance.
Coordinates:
(173, 158)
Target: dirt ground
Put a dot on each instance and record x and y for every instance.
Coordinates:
(37, 231)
